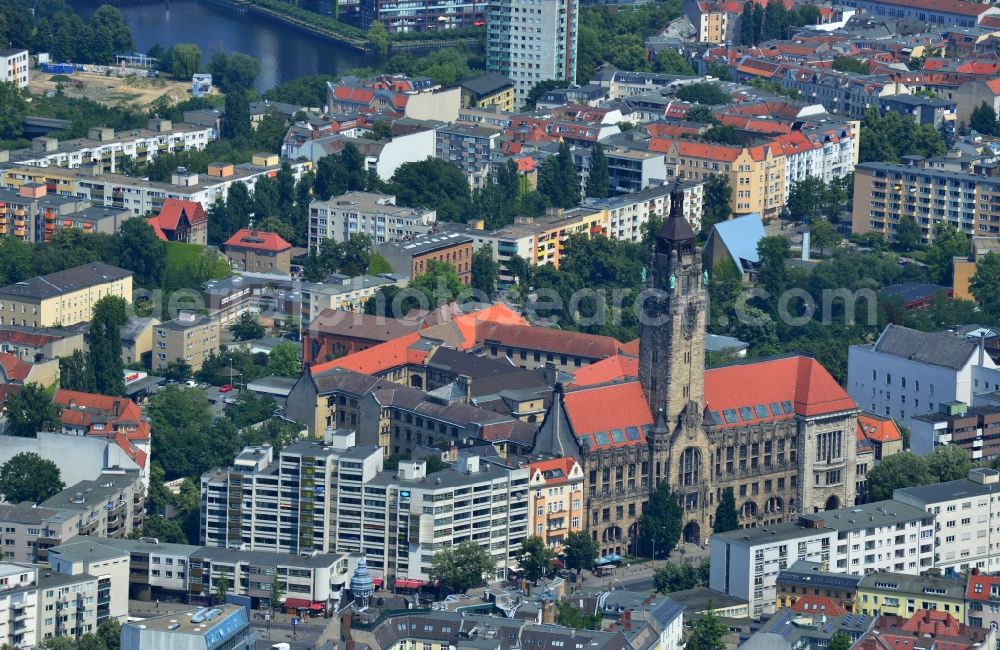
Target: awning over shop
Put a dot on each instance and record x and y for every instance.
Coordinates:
(377, 581)
(403, 583)
(297, 603)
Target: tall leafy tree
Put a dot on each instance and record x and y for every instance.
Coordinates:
(110, 314)
(283, 361)
(558, 180)
(463, 567)
(141, 251)
(535, 558)
(985, 284)
(771, 274)
(484, 271)
(580, 551)
(949, 243)
(432, 183)
(726, 517)
(29, 477)
(984, 120)
(718, 202)
(707, 632)
(76, 372)
(897, 471)
(660, 526)
(236, 123)
(908, 234)
(31, 410)
(185, 60)
(13, 110)
(599, 180)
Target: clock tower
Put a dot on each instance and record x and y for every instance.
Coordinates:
(672, 335)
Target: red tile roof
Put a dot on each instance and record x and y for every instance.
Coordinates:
(810, 604)
(378, 358)
(958, 7)
(170, 214)
(559, 469)
(590, 346)
(15, 370)
(878, 429)
(598, 426)
(994, 85)
(616, 368)
(799, 382)
(258, 240)
(102, 414)
(980, 586)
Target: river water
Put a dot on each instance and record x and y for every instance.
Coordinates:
(284, 53)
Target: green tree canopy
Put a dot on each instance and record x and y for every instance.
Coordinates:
(535, 558)
(849, 64)
(463, 566)
(726, 517)
(899, 470)
(660, 526)
(141, 251)
(558, 180)
(246, 327)
(598, 182)
(718, 202)
(840, 641)
(908, 234)
(678, 577)
(984, 120)
(889, 137)
(432, 183)
(580, 551)
(283, 361)
(31, 410)
(110, 315)
(13, 110)
(484, 271)
(704, 92)
(707, 632)
(29, 477)
(185, 60)
(985, 284)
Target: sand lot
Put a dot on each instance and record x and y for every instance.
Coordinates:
(112, 91)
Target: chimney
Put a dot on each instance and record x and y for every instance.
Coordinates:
(116, 408)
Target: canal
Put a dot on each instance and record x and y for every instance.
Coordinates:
(284, 53)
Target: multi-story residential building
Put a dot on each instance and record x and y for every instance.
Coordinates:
(343, 293)
(881, 536)
(756, 174)
(14, 66)
(976, 430)
(902, 595)
(51, 343)
(827, 153)
(394, 95)
(470, 148)
(141, 197)
(952, 14)
(532, 40)
(982, 600)
(628, 213)
(225, 626)
(73, 604)
(183, 221)
(906, 373)
(18, 605)
(884, 194)
(375, 215)
(965, 518)
(258, 251)
(382, 157)
(540, 240)
(433, 16)
(745, 563)
(486, 90)
(113, 505)
(804, 579)
(934, 111)
(29, 531)
(412, 257)
(190, 337)
(33, 214)
(137, 341)
(715, 22)
(63, 298)
(634, 170)
(809, 626)
(333, 496)
(107, 565)
(104, 149)
(555, 507)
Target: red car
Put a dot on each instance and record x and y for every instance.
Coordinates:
(225, 388)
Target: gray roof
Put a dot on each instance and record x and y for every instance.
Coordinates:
(24, 513)
(135, 326)
(774, 533)
(912, 291)
(933, 348)
(486, 84)
(947, 491)
(885, 581)
(91, 492)
(868, 515)
(803, 572)
(698, 598)
(87, 550)
(55, 284)
(181, 325)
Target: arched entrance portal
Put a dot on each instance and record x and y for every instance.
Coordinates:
(832, 503)
(692, 533)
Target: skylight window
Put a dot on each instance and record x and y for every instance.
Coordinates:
(760, 410)
(746, 414)
(730, 416)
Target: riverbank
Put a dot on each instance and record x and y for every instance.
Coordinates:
(343, 34)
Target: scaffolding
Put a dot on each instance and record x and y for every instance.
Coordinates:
(136, 60)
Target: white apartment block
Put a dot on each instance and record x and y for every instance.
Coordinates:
(833, 154)
(14, 67)
(745, 563)
(18, 605)
(532, 40)
(628, 213)
(965, 536)
(344, 502)
(882, 536)
(105, 147)
(907, 373)
(375, 215)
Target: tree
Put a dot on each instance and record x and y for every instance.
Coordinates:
(580, 551)
(283, 361)
(670, 62)
(246, 328)
(823, 235)
(899, 470)
(660, 525)
(676, 577)
(167, 531)
(535, 558)
(985, 284)
(890, 136)
(76, 373)
(177, 370)
(109, 632)
(237, 71)
(908, 234)
(440, 284)
(463, 566)
(948, 463)
(141, 251)
(839, 641)
(949, 243)
(540, 88)
(484, 271)
(432, 183)
(569, 615)
(717, 205)
(29, 477)
(236, 123)
(726, 517)
(378, 39)
(599, 181)
(805, 199)
(984, 120)
(13, 110)
(185, 60)
(705, 92)
(277, 593)
(558, 180)
(707, 632)
(110, 314)
(771, 274)
(221, 586)
(849, 64)
(31, 410)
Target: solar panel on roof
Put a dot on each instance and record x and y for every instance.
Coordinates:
(601, 437)
(760, 410)
(786, 406)
(617, 435)
(746, 413)
(730, 416)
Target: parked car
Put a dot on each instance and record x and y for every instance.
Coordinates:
(225, 388)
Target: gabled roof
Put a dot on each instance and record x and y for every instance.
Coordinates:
(612, 369)
(980, 586)
(14, 370)
(597, 426)
(172, 211)
(740, 237)
(552, 471)
(591, 346)
(933, 348)
(878, 429)
(261, 240)
(810, 604)
(378, 358)
(771, 390)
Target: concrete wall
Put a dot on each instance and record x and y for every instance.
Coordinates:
(79, 458)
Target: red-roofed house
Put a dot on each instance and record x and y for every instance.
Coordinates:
(258, 251)
(926, 630)
(555, 500)
(116, 418)
(881, 433)
(15, 372)
(982, 597)
(183, 221)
